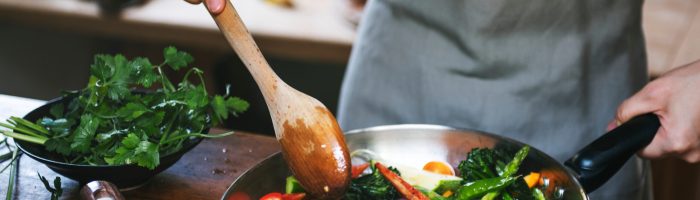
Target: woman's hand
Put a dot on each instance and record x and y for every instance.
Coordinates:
(214, 6)
(675, 98)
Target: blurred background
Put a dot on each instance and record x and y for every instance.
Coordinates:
(47, 46)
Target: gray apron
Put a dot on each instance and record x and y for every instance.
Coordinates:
(549, 73)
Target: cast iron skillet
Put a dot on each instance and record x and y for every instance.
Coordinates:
(415, 145)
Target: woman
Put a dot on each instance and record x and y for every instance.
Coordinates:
(547, 73)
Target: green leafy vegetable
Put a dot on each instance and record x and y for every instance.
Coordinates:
(293, 186)
(84, 133)
(107, 123)
(479, 188)
(372, 186)
(176, 59)
(537, 194)
(490, 164)
(514, 164)
(447, 185)
(482, 163)
(430, 194)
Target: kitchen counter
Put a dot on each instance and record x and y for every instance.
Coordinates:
(203, 173)
(312, 30)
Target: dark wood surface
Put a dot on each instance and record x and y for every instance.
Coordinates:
(203, 173)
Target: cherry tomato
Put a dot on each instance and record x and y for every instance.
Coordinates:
(272, 196)
(439, 168)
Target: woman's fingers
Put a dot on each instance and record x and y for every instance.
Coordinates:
(194, 1)
(651, 98)
(214, 6)
(675, 99)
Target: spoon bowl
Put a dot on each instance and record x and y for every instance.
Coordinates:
(312, 142)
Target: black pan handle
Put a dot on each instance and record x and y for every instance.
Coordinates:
(601, 159)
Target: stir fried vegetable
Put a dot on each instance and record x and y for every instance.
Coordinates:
(439, 168)
(483, 164)
(406, 190)
(372, 186)
(479, 188)
(487, 174)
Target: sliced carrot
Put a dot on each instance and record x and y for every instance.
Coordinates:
(532, 179)
(447, 193)
(406, 190)
(439, 168)
(357, 170)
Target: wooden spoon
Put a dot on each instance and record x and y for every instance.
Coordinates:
(312, 142)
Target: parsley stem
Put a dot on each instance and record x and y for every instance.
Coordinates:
(37, 139)
(13, 175)
(31, 125)
(170, 125)
(21, 130)
(8, 165)
(187, 76)
(165, 82)
(5, 157)
(201, 80)
(198, 135)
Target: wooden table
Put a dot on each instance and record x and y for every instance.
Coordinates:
(203, 173)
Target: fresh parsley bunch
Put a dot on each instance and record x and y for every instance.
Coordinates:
(107, 123)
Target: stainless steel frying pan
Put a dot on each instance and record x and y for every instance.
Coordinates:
(415, 145)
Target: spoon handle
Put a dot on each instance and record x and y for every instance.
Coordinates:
(243, 44)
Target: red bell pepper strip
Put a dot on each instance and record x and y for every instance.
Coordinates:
(280, 196)
(272, 196)
(406, 190)
(293, 196)
(357, 170)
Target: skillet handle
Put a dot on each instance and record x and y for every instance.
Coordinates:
(601, 159)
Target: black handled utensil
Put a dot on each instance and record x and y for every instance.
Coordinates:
(598, 161)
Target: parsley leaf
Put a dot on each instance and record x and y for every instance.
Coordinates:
(132, 111)
(143, 70)
(59, 145)
(100, 68)
(124, 153)
(135, 150)
(85, 132)
(219, 106)
(147, 154)
(237, 105)
(117, 86)
(176, 59)
(196, 97)
(57, 111)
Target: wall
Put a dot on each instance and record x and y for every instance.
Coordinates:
(672, 29)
